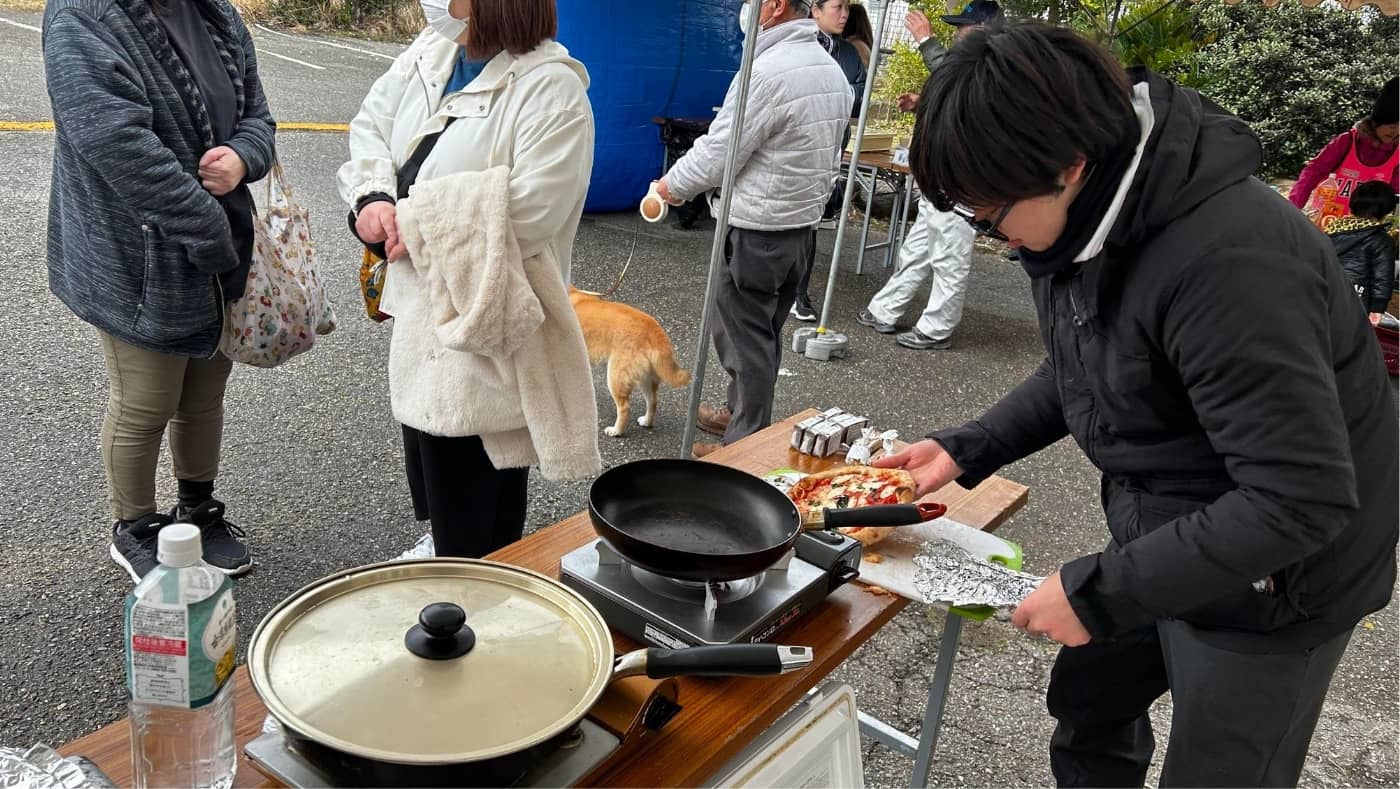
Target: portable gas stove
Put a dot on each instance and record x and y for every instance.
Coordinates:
(278, 756)
(672, 613)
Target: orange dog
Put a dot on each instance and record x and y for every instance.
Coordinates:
(638, 352)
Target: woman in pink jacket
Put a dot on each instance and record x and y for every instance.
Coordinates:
(1365, 152)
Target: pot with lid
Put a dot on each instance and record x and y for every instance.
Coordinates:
(452, 671)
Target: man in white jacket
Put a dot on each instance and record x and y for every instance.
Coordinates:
(939, 245)
(789, 153)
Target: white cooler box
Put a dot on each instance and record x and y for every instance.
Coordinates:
(816, 744)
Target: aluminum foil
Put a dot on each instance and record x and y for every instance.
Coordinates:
(946, 573)
(41, 767)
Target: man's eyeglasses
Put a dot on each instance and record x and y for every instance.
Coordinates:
(985, 227)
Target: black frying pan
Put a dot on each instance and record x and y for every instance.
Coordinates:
(701, 521)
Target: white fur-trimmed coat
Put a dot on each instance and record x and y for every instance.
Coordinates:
(486, 343)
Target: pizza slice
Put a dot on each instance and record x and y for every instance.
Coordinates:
(847, 487)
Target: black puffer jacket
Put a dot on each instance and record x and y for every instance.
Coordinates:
(1212, 363)
(1368, 256)
(848, 59)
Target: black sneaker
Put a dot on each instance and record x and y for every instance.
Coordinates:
(865, 318)
(802, 310)
(222, 547)
(922, 342)
(134, 544)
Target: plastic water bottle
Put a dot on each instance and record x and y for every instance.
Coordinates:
(180, 634)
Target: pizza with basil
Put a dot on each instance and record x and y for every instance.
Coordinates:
(854, 486)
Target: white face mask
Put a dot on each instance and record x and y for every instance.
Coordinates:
(744, 18)
(442, 21)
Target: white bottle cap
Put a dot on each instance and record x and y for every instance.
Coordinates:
(179, 545)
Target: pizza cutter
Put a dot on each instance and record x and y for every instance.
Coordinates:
(877, 515)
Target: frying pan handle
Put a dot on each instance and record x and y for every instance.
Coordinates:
(756, 660)
(885, 515)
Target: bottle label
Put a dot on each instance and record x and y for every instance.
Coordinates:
(180, 655)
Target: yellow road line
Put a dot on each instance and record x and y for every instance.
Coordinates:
(313, 127)
(47, 126)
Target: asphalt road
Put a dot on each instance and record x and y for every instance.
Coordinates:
(312, 465)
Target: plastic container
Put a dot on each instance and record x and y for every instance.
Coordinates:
(181, 629)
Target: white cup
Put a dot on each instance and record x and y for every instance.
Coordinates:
(653, 208)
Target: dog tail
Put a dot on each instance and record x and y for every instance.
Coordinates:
(664, 362)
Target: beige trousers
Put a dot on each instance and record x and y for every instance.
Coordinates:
(147, 392)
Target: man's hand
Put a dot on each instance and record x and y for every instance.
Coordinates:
(931, 466)
(908, 102)
(663, 190)
(375, 221)
(1047, 612)
(918, 25)
(221, 170)
(1375, 318)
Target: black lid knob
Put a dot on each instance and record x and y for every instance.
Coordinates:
(441, 633)
(442, 620)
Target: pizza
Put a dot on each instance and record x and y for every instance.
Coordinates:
(855, 486)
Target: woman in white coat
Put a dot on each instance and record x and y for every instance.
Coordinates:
(486, 87)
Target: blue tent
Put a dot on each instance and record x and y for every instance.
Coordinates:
(646, 60)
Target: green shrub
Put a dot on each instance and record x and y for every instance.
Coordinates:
(1298, 76)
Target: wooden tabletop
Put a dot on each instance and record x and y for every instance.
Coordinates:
(882, 160)
(720, 715)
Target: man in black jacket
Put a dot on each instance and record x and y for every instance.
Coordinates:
(1206, 352)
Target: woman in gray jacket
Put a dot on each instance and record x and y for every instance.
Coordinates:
(161, 124)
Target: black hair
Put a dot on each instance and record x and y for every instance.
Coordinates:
(1009, 110)
(1373, 200)
(858, 27)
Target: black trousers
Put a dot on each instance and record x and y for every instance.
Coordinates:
(1238, 719)
(756, 291)
(474, 507)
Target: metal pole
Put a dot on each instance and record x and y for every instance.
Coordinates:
(937, 699)
(855, 161)
(702, 344)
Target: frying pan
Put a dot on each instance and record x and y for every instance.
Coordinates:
(699, 521)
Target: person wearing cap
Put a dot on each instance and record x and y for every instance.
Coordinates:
(1207, 353)
(799, 105)
(1368, 151)
(939, 245)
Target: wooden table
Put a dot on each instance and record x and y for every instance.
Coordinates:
(720, 715)
(882, 166)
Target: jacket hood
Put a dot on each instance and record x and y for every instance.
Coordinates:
(1194, 151)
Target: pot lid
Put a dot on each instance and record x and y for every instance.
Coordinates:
(433, 661)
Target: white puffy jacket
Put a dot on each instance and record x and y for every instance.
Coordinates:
(790, 147)
(527, 112)
(530, 116)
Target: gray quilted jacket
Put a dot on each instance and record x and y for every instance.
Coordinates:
(790, 148)
(135, 243)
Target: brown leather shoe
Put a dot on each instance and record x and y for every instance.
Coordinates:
(711, 419)
(702, 448)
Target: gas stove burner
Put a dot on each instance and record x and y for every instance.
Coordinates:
(667, 612)
(719, 592)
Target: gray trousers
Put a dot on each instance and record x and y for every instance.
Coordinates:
(757, 288)
(1238, 719)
